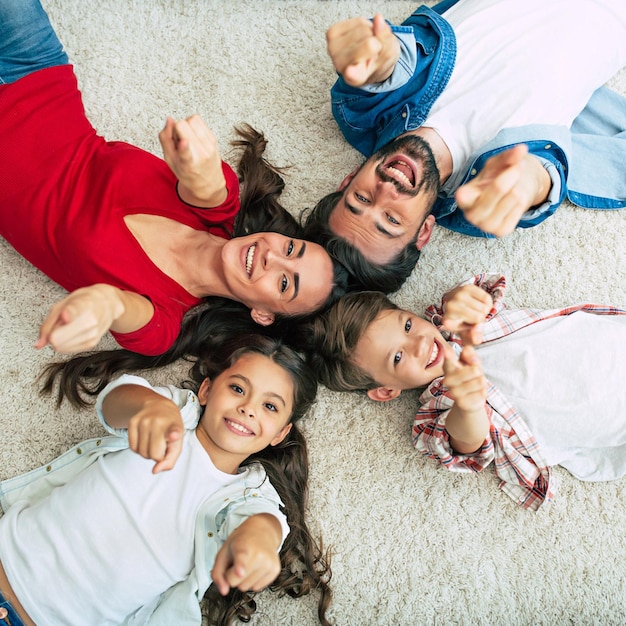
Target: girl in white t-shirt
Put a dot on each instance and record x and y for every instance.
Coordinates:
(133, 528)
(524, 389)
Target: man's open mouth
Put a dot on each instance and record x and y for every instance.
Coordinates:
(402, 171)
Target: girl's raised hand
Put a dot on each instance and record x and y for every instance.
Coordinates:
(156, 432)
(249, 559)
(190, 149)
(465, 308)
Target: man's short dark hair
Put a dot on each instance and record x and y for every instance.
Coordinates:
(364, 274)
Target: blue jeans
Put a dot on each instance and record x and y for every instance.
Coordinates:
(11, 618)
(27, 41)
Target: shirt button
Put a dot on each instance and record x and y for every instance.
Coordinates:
(49, 468)
(547, 146)
(79, 450)
(473, 172)
(403, 115)
(209, 534)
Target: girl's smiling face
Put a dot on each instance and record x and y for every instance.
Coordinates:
(247, 408)
(401, 351)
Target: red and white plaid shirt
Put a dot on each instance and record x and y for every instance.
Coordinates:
(519, 463)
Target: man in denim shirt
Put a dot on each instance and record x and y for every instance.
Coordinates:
(481, 115)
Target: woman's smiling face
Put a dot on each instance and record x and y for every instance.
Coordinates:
(271, 273)
(400, 350)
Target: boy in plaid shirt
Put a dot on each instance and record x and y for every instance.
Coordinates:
(522, 388)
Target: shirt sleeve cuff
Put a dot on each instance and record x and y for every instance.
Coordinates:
(185, 399)
(553, 196)
(405, 66)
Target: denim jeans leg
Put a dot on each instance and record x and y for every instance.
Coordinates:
(8, 616)
(27, 41)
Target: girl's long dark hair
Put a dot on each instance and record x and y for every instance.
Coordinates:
(305, 567)
(305, 564)
(82, 377)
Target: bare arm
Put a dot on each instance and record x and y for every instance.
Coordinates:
(511, 182)
(249, 559)
(190, 149)
(79, 321)
(363, 51)
(467, 423)
(154, 423)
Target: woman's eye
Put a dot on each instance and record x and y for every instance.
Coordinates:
(284, 283)
(290, 247)
(392, 220)
(407, 326)
(397, 358)
(236, 388)
(271, 407)
(360, 198)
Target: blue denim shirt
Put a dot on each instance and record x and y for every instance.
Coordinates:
(585, 163)
(218, 516)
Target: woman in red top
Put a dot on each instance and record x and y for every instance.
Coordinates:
(137, 240)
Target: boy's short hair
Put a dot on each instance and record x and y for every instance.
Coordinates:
(334, 337)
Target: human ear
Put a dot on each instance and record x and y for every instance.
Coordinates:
(203, 392)
(348, 179)
(262, 317)
(383, 394)
(281, 435)
(426, 230)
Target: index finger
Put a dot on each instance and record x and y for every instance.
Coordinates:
(174, 446)
(59, 313)
(218, 573)
(350, 27)
(169, 138)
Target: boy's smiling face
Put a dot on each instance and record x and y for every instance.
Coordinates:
(400, 350)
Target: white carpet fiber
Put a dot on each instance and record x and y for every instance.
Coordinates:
(413, 543)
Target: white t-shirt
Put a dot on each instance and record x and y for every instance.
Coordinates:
(503, 78)
(568, 381)
(114, 527)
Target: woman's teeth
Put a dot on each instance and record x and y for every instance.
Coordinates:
(250, 258)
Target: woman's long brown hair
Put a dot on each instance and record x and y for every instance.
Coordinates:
(82, 377)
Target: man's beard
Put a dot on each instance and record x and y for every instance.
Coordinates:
(418, 150)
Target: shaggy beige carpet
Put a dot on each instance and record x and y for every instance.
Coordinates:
(413, 543)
